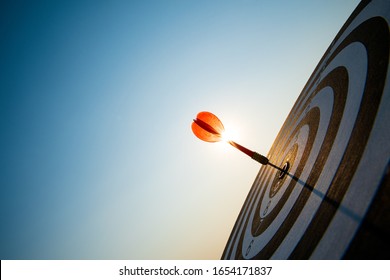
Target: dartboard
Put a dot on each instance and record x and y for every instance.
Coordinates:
(335, 200)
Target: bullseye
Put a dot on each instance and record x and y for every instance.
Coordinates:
(284, 170)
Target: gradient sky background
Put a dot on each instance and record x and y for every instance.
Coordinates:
(98, 160)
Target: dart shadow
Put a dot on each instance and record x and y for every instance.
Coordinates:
(323, 196)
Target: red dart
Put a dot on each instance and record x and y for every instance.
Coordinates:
(209, 128)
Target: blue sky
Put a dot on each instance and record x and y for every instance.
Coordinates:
(97, 98)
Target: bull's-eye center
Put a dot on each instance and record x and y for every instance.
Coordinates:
(284, 170)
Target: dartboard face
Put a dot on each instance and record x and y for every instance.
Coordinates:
(334, 201)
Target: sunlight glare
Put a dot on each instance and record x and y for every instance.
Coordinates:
(230, 134)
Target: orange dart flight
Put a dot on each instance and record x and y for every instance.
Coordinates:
(208, 127)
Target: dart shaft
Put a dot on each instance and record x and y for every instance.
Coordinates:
(242, 148)
(256, 156)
